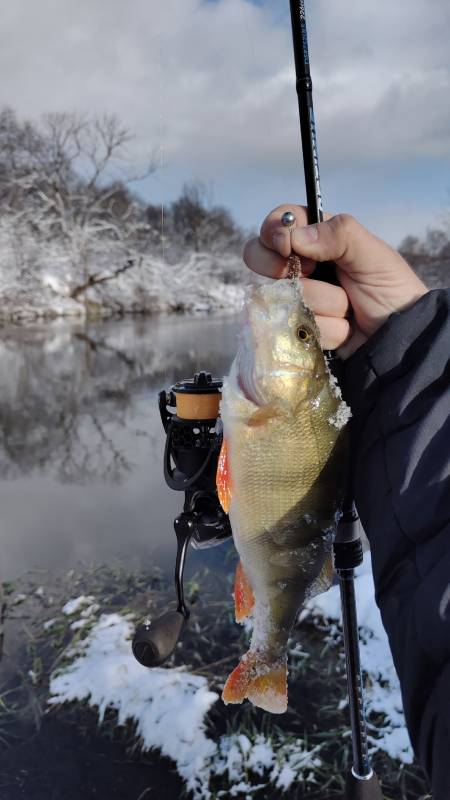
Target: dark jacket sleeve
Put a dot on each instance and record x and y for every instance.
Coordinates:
(397, 385)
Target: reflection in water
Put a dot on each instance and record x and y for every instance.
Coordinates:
(81, 441)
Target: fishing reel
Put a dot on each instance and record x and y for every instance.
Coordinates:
(190, 416)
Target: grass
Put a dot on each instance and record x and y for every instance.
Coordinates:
(211, 646)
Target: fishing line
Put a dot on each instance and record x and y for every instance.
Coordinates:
(268, 121)
(161, 138)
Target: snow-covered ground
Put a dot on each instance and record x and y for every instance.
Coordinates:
(383, 696)
(170, 706)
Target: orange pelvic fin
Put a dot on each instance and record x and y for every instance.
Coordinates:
(265, 685)
(244, 599)
(223, 478)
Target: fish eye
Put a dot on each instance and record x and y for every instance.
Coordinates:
(303, 333)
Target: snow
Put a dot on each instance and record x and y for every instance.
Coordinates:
(38, 274)
(341, 417)
(88, 612)
(78, 624)
(282, 762)
(169, 707)
(74, 605)
(18, 598)
(383, 693)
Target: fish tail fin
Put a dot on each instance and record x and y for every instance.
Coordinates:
(244, 600)
(265, 685)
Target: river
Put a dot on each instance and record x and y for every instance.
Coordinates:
(82, 442)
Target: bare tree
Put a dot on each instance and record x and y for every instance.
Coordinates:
(72, 227)
(429, 257)
(202, 228)
(68, 181)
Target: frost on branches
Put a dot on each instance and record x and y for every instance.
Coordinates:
(75, 240)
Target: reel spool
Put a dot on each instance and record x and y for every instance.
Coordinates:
(189, 413)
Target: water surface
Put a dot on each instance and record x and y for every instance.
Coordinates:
(81, 440)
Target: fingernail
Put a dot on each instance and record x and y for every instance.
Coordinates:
(305, 235)
(280, 242)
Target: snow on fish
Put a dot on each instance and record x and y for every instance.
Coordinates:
(281, 477)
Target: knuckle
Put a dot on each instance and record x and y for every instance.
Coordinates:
(346, 223)
(346, 229)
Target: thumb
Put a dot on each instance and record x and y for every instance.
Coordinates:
(376, 278)
(341, 239)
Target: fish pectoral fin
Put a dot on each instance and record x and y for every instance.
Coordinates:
(244, 599)
(223, 478)
(265, 685)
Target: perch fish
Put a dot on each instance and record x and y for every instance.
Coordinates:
(281, 478)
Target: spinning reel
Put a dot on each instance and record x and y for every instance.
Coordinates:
(189, 413)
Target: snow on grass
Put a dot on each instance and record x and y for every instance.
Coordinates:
(169, 708)
(74, 605)
(280, 762)
(383, 695)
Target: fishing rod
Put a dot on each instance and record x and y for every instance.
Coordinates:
(190, 415)
(362, 783)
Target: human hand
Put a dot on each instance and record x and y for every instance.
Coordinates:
(374, 279)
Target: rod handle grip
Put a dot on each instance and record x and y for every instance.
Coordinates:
(359, 789)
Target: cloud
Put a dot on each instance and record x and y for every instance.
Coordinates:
(213, 82)
(210, 85)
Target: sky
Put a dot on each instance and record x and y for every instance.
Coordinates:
(207, 87)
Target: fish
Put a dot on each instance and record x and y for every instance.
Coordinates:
(281, 478)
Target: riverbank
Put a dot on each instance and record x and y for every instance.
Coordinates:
(46, 278)
(150, 286)
(67, 639)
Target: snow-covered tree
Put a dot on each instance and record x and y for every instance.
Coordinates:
(76, 238)
(62, 180)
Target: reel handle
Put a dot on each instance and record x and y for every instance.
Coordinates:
(154, 642)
